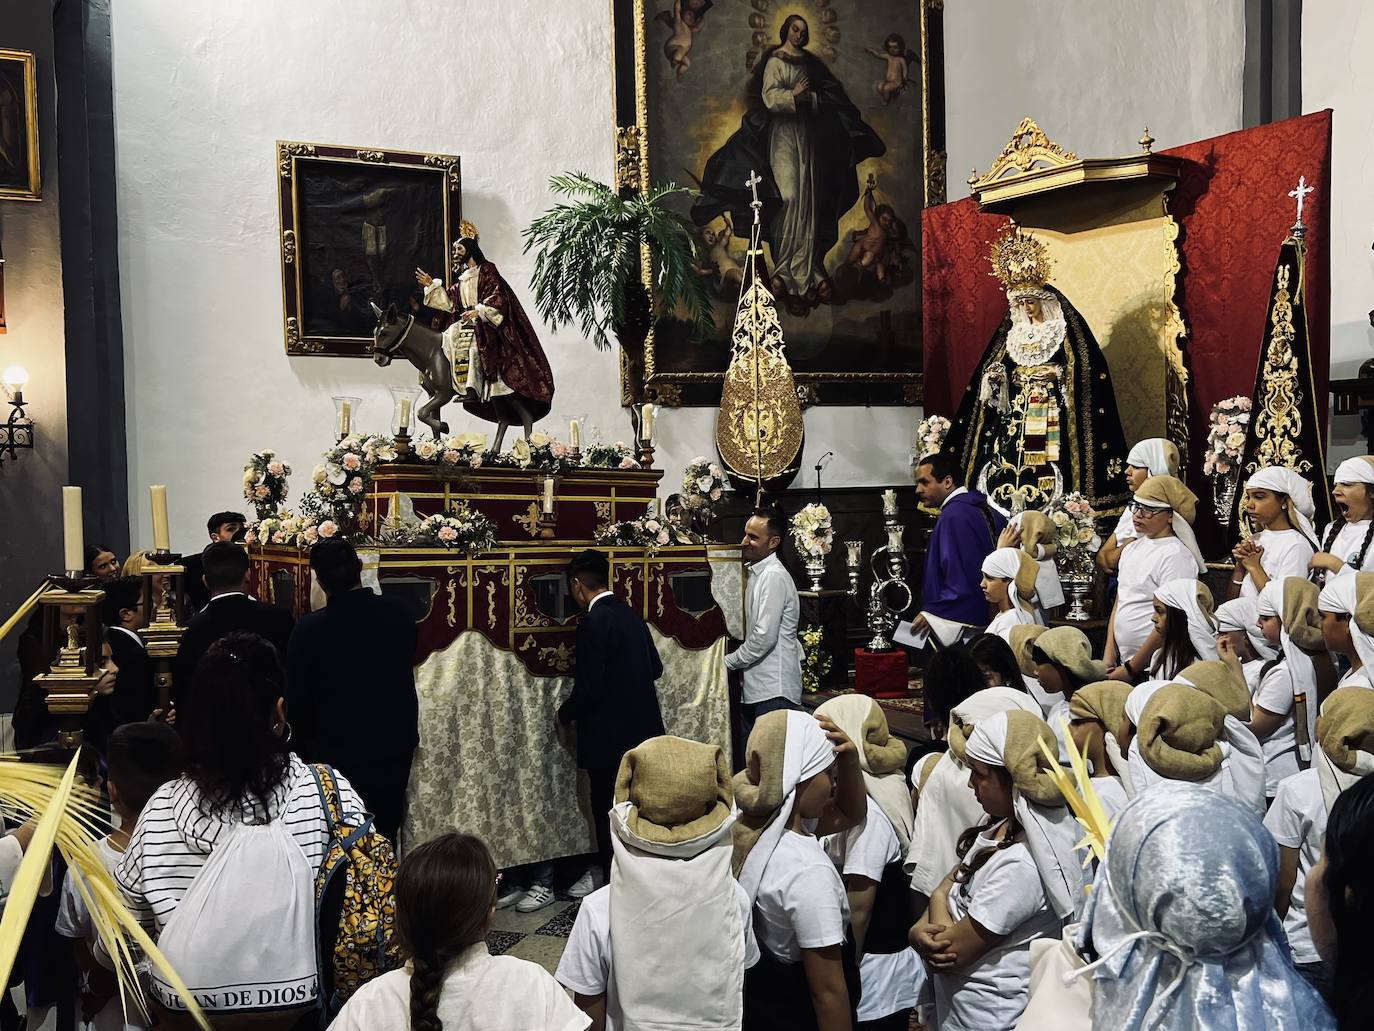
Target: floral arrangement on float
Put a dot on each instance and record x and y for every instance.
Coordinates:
(462, 528)
(1076, 542)
(294, 531)
(930, 435)
(465, 449)
(815, 659)
(609, 456)
(342, 480)
(1226, 432)
(264, 482)
(813, 532)
(648, 531)
(703, 483)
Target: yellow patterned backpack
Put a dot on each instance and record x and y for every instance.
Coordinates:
(355, 901)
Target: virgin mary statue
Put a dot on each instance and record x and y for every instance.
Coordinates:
(1039, 417)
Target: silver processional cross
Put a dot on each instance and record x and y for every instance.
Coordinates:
(1300, 193)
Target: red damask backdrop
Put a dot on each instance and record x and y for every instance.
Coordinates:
(1232, 205)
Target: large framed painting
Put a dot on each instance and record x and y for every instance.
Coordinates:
(838, 106)
(19, 173)
(355, 225)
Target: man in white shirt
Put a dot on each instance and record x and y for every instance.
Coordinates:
(770, 656)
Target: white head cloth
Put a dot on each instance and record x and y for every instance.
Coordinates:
(1182, 594)
(1156, 454)
(1355, 470)
(1138, 776)
(1286, 481)
(1140, 696)
(1005, 564)
(1242, 615)
(1339, 595)
(807, 752)
(947, 805)
(1183, 530)
(1051, 831)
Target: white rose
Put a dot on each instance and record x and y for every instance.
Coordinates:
(335, 474)
(704, 484)
(539, 439)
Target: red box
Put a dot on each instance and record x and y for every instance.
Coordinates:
(880, 674)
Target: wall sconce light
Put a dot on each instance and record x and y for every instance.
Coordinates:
(16, 432)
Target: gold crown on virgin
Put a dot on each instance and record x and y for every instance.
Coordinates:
(1020, 261)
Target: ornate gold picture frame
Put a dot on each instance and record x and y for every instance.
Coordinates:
(354, 225)
(697, 87)
(19, 171)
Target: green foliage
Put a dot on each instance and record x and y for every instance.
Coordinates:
(587, 255)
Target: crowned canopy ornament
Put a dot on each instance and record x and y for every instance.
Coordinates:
(1020, 261)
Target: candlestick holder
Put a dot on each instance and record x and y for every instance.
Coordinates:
(77, 638)
(164, 600)
(646, 454)
(402, 441)
(890, 595)
(854, 551)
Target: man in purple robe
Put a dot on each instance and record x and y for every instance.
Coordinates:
(953, 607)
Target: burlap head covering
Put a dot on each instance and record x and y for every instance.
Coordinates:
(1103, 701)
(1023, 758)
(1015, 565)
(1301, 619)
(1346, 726)
(1214, 679)
(1069, 647)
(1038, 531)
(678, 790)
(882, 757)
(1170, 492)
(1022, 637)
(1179, 733)
(979, 706)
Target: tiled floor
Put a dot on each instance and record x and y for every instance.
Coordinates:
(538, 937)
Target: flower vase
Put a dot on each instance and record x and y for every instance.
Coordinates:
(1076, 575)
(701, 517)
(1224, 494)
(815, 569)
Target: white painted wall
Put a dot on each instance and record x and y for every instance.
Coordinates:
(1337, 39)
(520, 89)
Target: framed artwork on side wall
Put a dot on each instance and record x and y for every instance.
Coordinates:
(355, 225)
(19, 174)
(838, 106)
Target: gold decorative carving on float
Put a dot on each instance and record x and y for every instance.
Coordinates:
(629, 158)
(523, 617)
(371, 155)
(491, 603)
(530, 520)
(1278, 422)
(286, 151)
(1028, 148)
(288, 246)
(453, 603)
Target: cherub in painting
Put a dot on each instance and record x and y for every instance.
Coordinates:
(877, 248)
(718, 262)
(899, 60)
(684, 22)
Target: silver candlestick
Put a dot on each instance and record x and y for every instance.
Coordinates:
(890, 595)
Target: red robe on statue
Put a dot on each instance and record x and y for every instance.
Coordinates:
(510, 351)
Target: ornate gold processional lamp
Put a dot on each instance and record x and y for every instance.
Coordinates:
(72, 628)
(759, 432)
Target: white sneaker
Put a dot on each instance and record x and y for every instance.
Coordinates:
(584, 885)
(538, 896)
(509, 897)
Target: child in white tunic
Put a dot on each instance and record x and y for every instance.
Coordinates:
(1063, 664)
(1297, 819)
(1279, 502)
(1096, 712)
(445, 903)
(1154, 456)
(1164, 550)
(1238, 628)
(1008, 584)
(1185, 626)
(1018, 880)
(1345, 541)
(1346, 605)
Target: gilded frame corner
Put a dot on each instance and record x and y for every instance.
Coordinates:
(32, 190)
(639, 379)
(289, 156)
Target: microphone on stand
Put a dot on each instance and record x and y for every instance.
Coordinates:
(820, 464)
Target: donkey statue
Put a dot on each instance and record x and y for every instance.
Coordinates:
(423, 348)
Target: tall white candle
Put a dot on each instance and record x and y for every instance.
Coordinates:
(548, 495)
(405, 413)
(575, 435)
(646, 424)
(889, 502)
(73, 536)
(162, 541)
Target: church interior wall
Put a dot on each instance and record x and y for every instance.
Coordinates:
(1337, 39)
(32, 483)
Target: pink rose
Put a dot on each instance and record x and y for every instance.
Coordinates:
(250, 537)
(447, 534)
(352, 462)
(260, 492)
(475, 461)
(278, 537)
(662, 537)
(328, 528)
(312, 535)
(276, 468)
(355, 485)
(559, 450)
(451, 457)
(715, 494)
(628, 463)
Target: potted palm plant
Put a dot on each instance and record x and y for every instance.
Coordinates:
(587, 261)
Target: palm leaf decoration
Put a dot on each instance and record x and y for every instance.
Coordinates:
(1082, 798)
(70, 820)
(587, 257)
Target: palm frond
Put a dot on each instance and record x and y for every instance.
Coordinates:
(1082, 798)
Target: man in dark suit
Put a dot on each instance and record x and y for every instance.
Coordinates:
(134, 696)
(613, 701)
(222, 526)
(230, 608)
(351, 685)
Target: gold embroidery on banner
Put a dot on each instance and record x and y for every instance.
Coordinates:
(1278, 422)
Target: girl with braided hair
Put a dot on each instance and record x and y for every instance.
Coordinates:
(445, 903)
(1345, 542)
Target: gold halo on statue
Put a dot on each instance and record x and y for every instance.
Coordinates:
(467, 231)
(1020, 261)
